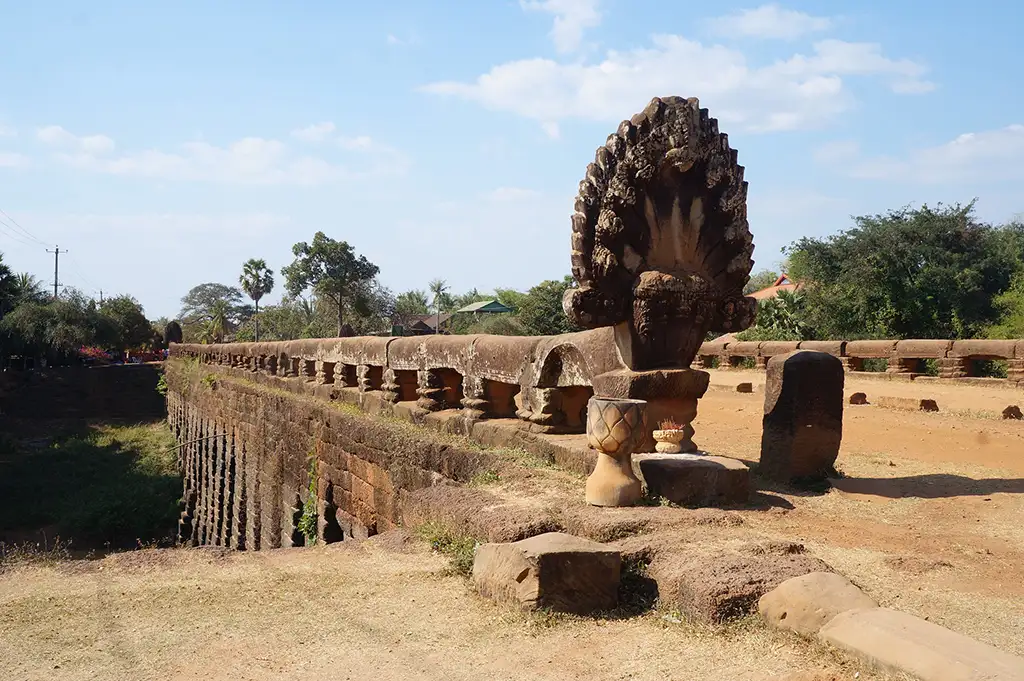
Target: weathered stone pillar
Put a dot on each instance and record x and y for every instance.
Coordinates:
(272, 365)
(542, 407)
(852, 364)
(902, 365)
(954, 367)
(324, 372)
(803, 416)
(761, 363)
(363, 378)
(474, 399)
(430, 390)
(391, 389)
(1015, 370)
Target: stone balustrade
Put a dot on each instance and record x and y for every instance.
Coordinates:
(544, 381)
(955, 360)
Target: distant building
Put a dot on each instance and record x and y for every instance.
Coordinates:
(485, 307)
(426, 323)
(783, 283)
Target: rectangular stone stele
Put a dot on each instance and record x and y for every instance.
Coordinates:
(553, 570)
(803, 416)
(693, 480)
(897, 640)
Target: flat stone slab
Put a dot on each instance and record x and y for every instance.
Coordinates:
(553, 570)
(925, 650)
(805, 604)
(907, 403)
(695, 480)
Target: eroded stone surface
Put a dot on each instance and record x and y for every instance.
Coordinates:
(907, 403)
(552, 570)
(803, 416)
(897, 640)
(805, 604)
(695, 480)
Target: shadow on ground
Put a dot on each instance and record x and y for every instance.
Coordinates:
(930, 486)
(99, 485)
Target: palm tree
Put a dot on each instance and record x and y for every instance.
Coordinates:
(439, 287)
(257, 280)
(28, 287)
(219, 323)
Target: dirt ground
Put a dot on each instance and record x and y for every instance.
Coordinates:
(346, 611)
(926, 518)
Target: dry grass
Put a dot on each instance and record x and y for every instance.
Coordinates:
(344, 611)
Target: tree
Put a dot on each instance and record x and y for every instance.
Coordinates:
(219, 323)
(409, 305)
(202, 302)
(129, 324)
(779, 318)
(759, 280)
(257, 280)
(911, 273)
(439, 287)
(332, 270)
(540, 310)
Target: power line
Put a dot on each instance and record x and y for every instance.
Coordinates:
(15, 236)
(24, 231)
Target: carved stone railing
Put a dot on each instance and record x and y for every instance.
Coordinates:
(955, 360)
(544, 381)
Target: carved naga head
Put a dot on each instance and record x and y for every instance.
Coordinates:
(660, 242)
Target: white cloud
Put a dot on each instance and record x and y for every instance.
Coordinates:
(392, 39)
(316, 132)
(801, 91)
(988, 156)
(510, 194)
(57, 136)
(572, 19)
(768, 21)
(13, 160)
(251, 160)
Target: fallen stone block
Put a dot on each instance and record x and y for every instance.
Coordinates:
(695, 480)
(805, 604)
(803, 416)
(718, 581)
(552, 570)
(745, 387)
(907, 403)
(896, 640)
(1013, 413)
(858, 398)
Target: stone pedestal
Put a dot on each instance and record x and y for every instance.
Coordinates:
(669, 393)
(695, 480)
(614, 428)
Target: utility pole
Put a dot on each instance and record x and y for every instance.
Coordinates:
(101, 296)
(56, 268)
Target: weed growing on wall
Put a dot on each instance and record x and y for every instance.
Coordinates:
(308, 521)
(161, 385)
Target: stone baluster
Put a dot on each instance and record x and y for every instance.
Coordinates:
(324, 372)
(391, 389)
(954, 367)
(430, 390)
(474, 400)
(901, 365)
(363, 378)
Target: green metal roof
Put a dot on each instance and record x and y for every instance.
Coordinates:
(485, 306)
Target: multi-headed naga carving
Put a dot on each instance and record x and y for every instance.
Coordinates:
(660, 242)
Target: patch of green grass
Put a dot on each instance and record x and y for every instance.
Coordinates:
(98, 485)
(458, 549)
(485, 478)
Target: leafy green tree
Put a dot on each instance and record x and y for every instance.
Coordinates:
(540, 310)
(218, 325)
(333, 271)
(442, 300)
(911, 273)
(202, 303)
(257, 280)
(760, 280)
(1010, 304)
(779, 318)
(409, 305)
(129, 323)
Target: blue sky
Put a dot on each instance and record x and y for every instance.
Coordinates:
(163, 146)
